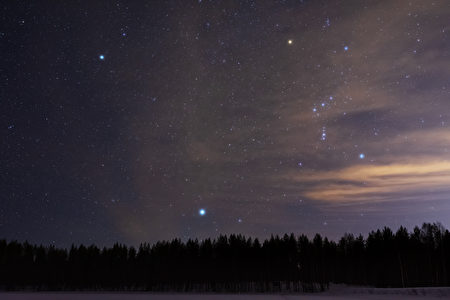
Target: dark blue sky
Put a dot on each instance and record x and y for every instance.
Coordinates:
(121, 120)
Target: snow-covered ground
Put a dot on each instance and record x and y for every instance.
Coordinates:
(335, 292)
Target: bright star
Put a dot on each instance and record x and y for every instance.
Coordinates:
(101, 56)
(202, 212)
(290, 42)
(346, 48)
(362, 156)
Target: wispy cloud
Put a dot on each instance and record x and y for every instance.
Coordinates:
(371, 183)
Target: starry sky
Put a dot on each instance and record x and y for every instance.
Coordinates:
(133, 121)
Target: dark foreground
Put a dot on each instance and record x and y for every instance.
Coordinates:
(235, 264)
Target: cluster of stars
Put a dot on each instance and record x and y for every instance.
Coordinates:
(324, 134)
(323, 104)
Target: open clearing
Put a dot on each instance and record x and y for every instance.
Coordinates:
(335, 292)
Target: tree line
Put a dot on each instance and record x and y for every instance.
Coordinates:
(235, 263)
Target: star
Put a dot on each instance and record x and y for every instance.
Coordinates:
(346, 48)
(290, 42)
(101, 57)
(202, 212)
(362, 156)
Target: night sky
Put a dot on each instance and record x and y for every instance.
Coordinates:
(145, 120)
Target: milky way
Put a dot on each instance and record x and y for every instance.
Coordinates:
(141, 121)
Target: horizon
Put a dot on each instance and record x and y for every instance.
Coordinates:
(215, 238)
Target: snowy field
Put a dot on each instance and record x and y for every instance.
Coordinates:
(335, 292)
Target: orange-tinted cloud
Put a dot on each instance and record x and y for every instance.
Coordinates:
(378, 182)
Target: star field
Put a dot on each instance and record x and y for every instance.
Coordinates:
(132, 121)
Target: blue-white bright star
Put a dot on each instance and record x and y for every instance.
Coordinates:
(202, 212)
(346, 48)
(362, 156)
(101, 57)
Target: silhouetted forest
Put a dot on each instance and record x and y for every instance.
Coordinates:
(235, 263)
